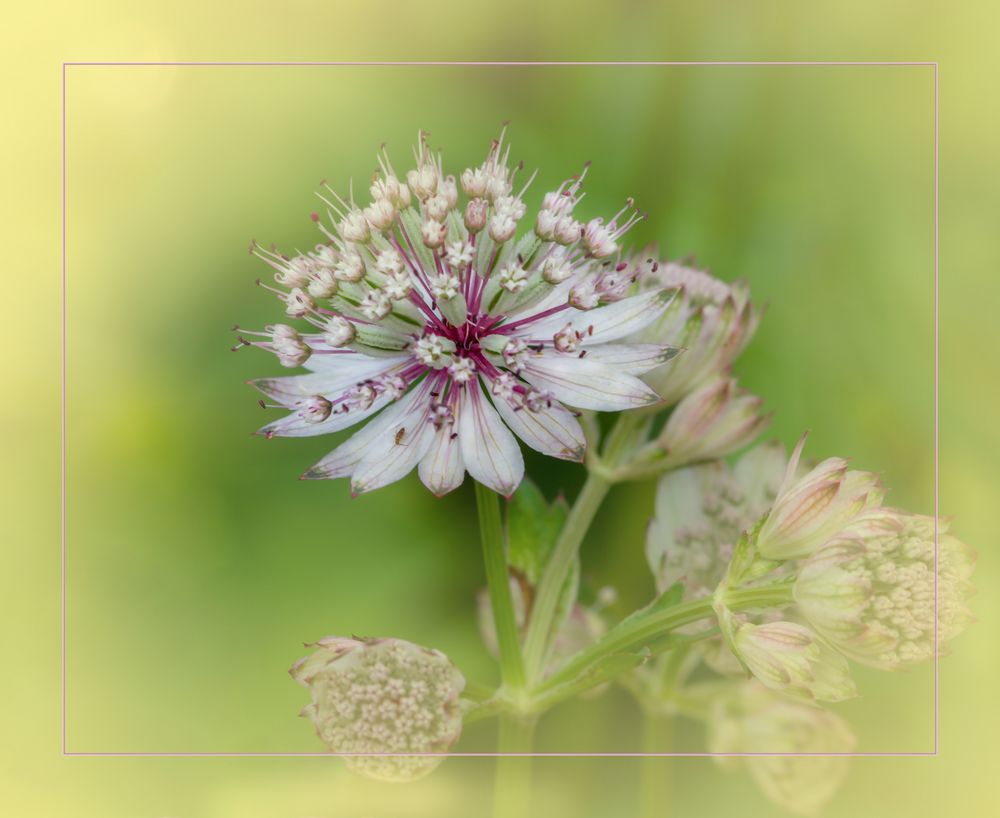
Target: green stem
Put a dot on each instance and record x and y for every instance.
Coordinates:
(567, 546)
(633, 635)
(512, 788)
(491, 533)
(655, 772)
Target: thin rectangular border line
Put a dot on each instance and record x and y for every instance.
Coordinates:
(933, 64)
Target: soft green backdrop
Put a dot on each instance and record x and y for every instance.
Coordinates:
(198, 563)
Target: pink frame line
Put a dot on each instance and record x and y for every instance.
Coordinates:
(933, 64)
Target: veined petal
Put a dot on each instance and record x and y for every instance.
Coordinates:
(490, 451)
(588, 384)
(396, 454)
(603, 324)
(342, 460)
(294, 425)
(551, 430)
(442, 468)
(632, 359)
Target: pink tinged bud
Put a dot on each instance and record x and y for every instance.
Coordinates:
(502, 227)
(288, 345)
(598, 239)
(351, 267)
(584, 296)
(711, 422)
(809, 511)
(476, 214)
(293, 272)
(567, 230)
(423, 181)
(449, 190)
(545, 224)
(789, 658)
(381, 697)
(315, 409)
(436, 207)
(567, 339)
(474, 182)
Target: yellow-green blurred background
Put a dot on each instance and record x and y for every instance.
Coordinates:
(198, 563)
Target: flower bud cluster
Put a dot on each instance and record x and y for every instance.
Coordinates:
(711, 320)
(382, 697)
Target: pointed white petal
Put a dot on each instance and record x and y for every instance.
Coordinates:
(342, 460)
(294, 425)
(442, 468)
(352, 365)
(632, 359)
(608, 323)
(588, 384)
(395, 454)
(490, 451)
(331, 382)
(551, 430)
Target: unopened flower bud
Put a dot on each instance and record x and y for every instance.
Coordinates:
(810, 510)
(789, 658)
(433, 233)
(557, 267)
(376, 305)
(567, 230)
(459, 254)
(476, 213)
(298, 303)
(474, 182)
(423, 181)
(449, 190)
(584, 296)
(351, 267)
(711, 422)
(293, 272)
(288, 345)
(379, 697)
(323, 284)
(795, 752)
(381, 214)
(502, 227)
(436, 207)
(598, 239)
(567, 339)
(354, 227)
(338, 331)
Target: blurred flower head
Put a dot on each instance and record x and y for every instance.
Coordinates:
(453, 334)
(702, 510)
(752, 719)
(871, 591)
(382, 696)
(811, 509)
(712, 322)
(789, 658)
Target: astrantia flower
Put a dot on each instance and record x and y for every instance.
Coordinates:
(754, 720)
(871, 592)
(431, 317)
(711, 320)
(381, 697)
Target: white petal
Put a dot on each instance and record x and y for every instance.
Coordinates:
(395, 454)
(490, 451)
(588, 384)
(552, 430)
(632, 359)
(442, 469)
(294, 425)
(352, 365)
(608, 323)
(329, 382)
(342, 460)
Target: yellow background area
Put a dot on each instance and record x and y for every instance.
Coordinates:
(198, 564)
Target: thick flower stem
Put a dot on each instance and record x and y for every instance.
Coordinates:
(491, 533)
(512, 787)
(567, 546)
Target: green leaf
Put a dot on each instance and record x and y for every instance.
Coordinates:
(532, 528)
(670, 597)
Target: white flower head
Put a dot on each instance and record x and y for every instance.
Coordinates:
(452, 353)
(380, 697)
